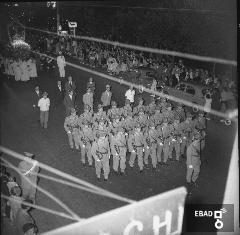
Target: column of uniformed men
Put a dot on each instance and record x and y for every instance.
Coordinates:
(148, 132)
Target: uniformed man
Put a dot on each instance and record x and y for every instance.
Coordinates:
(71, 127)
(119, 150)
(86, 139)
(152, 139)
(115, 124)
(99, 114)
(29, 176)
(179, 112)
(136, 145)
(152, 106)
(128, 122)
(86, 115)
(88, 98)
(201, 125)
(61, 65)
(91, 85)
(142, 119)
(166, 131)
(187, 127)
(193, 159)
(168, 112)
(126, 108)
(139, 106)
(157, 117)
(175, 139)
(113, 111)
(101, 155)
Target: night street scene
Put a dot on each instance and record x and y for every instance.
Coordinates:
(119, 117)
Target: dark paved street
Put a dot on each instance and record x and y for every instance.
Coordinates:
(21, 132)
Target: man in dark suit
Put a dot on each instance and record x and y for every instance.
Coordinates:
(69, 102)
(37, 95)
(70, 85)
(58, 94)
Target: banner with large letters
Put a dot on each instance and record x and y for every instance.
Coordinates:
(161, 214)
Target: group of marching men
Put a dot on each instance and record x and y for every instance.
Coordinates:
(22, 70)
(153, 130)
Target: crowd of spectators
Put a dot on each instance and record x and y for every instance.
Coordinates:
(119, 61)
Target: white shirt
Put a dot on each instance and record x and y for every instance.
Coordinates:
(130, 95)
(44, 104)
(59, 87)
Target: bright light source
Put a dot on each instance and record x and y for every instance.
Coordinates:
(16, 5)
(51, 4)
(20, 43)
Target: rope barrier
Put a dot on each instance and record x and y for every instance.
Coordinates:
(68, 183)
(61, 214)
(146, 49)
(65, 175)
(123, 82)
(59, 202)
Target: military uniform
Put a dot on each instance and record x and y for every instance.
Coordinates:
(151, 107)
(175, 140)
(136, 145)
(201, 125)
(125, 110)
(166, 131)
(88, 99)
(152, 139)
(86, 116)
(101, 154)
(142, 119)
(157, 117)
(86, 138)
(100, 115)
(187, 130)
(113, 111)
(119, 150)
(27, 169)
(193, 160)
(72, 129)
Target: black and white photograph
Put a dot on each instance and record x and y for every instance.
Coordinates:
(119, 117)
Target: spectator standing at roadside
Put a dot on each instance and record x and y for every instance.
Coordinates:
(106, 98)
(130, 93)
(44, 104)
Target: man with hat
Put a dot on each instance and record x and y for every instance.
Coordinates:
(128, 122)
(142, 119)
(86, 115)
(187, 127)
(71, 127)
(101, 155)
(168, 112)
(106, 98)
(179, 112)
(88, 98)
(152, 139)
(136, 145)
(119, 150)
(100, 114)
(126, 109)
(175, 139)
(113, 111)
(29, 169)
(193, 159)
(152, 106)
(44, 104)
(86, 138)
(157, 116)
(201, 125)
(61, 65)
(139, 106)
(116, 123)
(166, 132)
